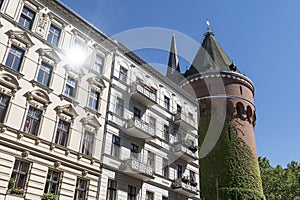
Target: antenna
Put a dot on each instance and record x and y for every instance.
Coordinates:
(208, 25)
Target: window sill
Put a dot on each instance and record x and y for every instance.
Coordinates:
(16, 73)
(91, 110)
(70, 99)
(35, 83)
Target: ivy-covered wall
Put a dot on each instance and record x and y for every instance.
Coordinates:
(230, 170)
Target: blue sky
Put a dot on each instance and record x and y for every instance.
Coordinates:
(262, 38)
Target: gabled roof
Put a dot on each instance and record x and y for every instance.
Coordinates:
(210, 57)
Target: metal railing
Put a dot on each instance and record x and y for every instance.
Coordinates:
(143, 89)
(142, 125)
(137, 166)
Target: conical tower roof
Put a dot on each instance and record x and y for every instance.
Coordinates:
(173, 71)
(210, 57)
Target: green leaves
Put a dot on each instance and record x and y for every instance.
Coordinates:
(279, 183)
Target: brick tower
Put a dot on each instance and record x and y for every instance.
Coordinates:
(228, 160)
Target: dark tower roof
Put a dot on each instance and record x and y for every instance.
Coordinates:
(173, 71)
(210, 57)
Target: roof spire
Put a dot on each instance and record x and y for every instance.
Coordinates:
(173, 71)
(209, 31)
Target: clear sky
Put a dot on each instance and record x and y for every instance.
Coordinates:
(262, 38)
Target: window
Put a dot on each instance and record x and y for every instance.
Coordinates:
(150, 158)
(52, 182)
(88, 141)
(149, 195)
(115, 148)
(131, 193)
(192, 176)
(123, 74)
(167, 103)
(80, 190)
(152, 122)
(27, 18)
(111, 190)
(53, 35)
(179, 171)
(94, 99)
(1, 2)
(190, 116)
(166, 133)
(14, 58)
(134, 151)
(62, 133)
(44, 74)
(20, 173)
(137, 113)
(120, 106)
(165, 198)
(179, 109)
(70, 89)
(99, 61)
(165, 169)
(79, 43)
(4, 101)
(32, 122)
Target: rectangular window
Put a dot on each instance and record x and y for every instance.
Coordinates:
(178, 109)
(150, 158)
(71, 86)
(134, 151)
(4, 101)
(192, 176)
(44, 74)
(79, 43)
(137, 113)
(14, 58)
(149, 195)
(81, 189)
(20, 173)
(120, 106)
(111, 190)
(88, 141)
(62, 133)
(165, 169)
(167, 103)
(166, 133)
(123, 74)
(27, 18)
(94, 99)
(53, 35)
(52, 182)
(99, 61)
(32, 122)
(152, 122)
(179, 171)
(1, 2)
(131, 193)
(115, 148)
(165, 198)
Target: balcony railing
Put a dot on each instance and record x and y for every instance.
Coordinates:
(138, 128)
(138, 169)
(186, 187)
(184, 120)
(186, 150)
(143, 93)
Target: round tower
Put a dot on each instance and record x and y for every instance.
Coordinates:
(228, 160)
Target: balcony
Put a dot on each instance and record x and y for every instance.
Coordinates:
(137, 169)
(186, 150)
(185, 187)
(139, 129)
(184, 121)
(143, 93)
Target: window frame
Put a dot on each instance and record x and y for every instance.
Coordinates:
(123, 74)
(16, 173)
(134, 150)
(149, 193)
(90, 144)
(71, 86)
(166, 102)
(54, 35)
(7, 102)
(27, 18)
(115, 146)
(166, 133)
(19, 58)
(111, 193)
(50, 181)
(119, 110)
(50, 73)
(60, 130)
(165, 168)
(131, 193)
(97, 66)
(33, 119)
(79, 190)
(95, 100)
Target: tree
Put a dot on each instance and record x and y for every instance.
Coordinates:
(279, 183)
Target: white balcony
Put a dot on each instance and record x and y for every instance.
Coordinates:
(186, 150)
(185, 187)
(184, 121)
(139, 129)
(143, 94)
(137, 169)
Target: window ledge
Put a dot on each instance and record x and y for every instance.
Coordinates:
(16, 73)
(70, 99)
(91, 110)
(35, 83)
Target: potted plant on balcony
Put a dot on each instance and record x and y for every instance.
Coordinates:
(185, 179)
(191, 144)
(49, 196)
(193, 181)
(17, 191)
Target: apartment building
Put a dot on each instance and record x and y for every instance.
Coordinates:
(53, 106)
(83, 117)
